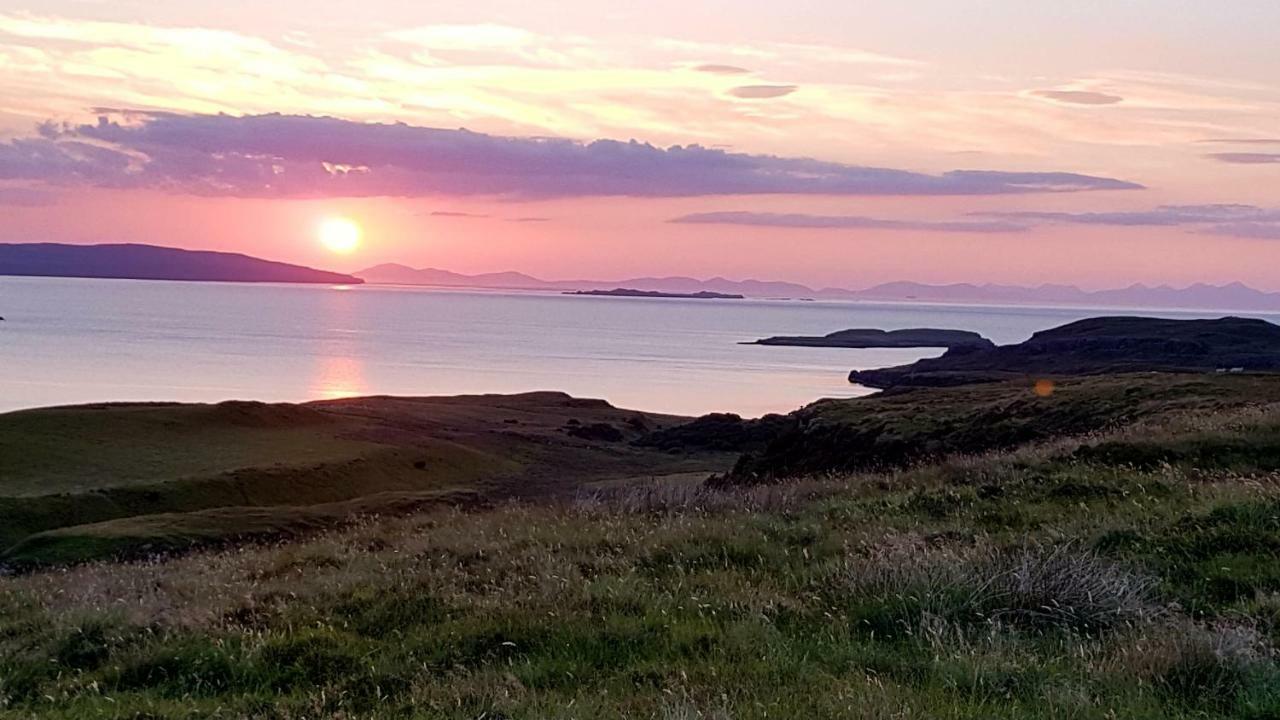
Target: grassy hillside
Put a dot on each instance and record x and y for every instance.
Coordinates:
(919, 424)
(88, 467)
(72, 449)
(1132, 572)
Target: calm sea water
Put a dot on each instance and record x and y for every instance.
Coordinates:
(75, 341)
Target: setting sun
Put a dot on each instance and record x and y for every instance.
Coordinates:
(340, 235)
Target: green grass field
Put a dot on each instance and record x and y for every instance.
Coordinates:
(1130, 571)
(67, 450)
(85, 473)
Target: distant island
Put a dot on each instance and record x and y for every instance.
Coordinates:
(151, 262)
(874, 338)
(1233, 296)
(1097, 346)
(628, 292)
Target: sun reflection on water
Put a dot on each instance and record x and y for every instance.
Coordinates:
(339, 377)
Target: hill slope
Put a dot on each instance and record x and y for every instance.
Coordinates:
(89, 465)
(1061, 580)
(151, 262)
(1099, 345)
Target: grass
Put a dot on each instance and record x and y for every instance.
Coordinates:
(924, 424)
(168, 533)
(62, 450)
(113, 471)
(1050, 580)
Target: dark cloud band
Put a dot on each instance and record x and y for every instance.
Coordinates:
(303, 156)
(1244, 158)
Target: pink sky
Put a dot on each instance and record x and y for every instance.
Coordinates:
(1123, 144)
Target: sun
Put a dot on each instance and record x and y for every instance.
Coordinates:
(339, 235)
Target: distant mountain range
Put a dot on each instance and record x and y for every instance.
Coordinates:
(1234, 296)
(149, 262)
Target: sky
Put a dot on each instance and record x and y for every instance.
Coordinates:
(833, 143)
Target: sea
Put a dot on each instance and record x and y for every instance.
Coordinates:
(72, 341)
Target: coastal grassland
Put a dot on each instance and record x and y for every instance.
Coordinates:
(912, 425)
(72, 449)
(127, 479)
(1116, 575)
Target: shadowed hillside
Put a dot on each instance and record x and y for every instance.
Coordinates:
(1096, 346)
(94, 465)
(912, 425)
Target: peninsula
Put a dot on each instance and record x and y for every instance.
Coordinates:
(152, 262)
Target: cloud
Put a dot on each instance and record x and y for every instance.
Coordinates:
(1247, 158)
(1248, 230)
(1163, 216)
(1078, 97)
(715, 69)
(529, 219)
(501, 78)
(451, 214)
(26, 197)
(760, 92)
(1243, 221)
(464, 37)
(843, 222)
(1244, 141)
(304, 156)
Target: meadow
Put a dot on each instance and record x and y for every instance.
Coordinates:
(1129, 571)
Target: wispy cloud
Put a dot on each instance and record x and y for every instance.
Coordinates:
(844, 222)
(1247, 158)
(1244, 141)
(1244, 221)
(1078, 97)
(1164, 215)
(454, 214)
(760, 92)
(300, 156)
(715, 69)
(26, 197)
(1248, 230)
